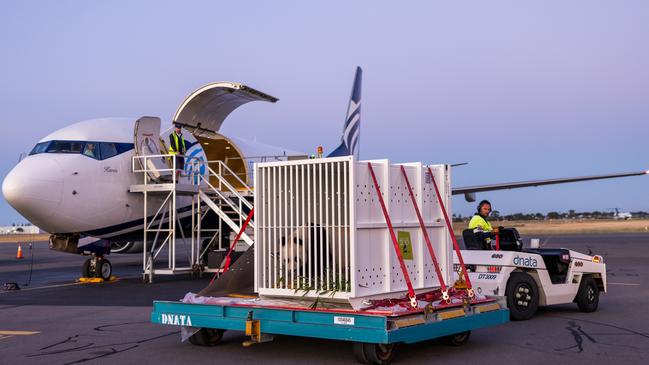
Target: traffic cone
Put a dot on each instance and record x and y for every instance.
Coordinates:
(19, 254)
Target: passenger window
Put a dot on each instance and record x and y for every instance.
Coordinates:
(108, 150)
(91, 150)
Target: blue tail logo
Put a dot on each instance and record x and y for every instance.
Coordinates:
(350, 140)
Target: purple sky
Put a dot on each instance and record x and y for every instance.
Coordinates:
(521, 91)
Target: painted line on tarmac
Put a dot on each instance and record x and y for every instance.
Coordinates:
(8, 334)
(626, 284)
(41, 287)
(66, 284)
(18, 333)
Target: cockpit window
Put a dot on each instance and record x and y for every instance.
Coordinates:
(96, 150)
(123, 147)
(39, 148)
(91, 150)
(108, 150)
(65, 147)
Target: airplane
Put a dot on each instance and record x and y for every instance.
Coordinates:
(622, 215)
(75, 182)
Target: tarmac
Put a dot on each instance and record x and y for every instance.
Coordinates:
(54, 320)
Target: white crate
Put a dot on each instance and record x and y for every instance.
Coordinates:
(331, 205)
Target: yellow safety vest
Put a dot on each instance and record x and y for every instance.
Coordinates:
(479, 224)
(171, 150)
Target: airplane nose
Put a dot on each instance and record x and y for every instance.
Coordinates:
(35, 188)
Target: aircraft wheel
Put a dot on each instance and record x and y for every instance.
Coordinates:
(374, 353)
(457, 339)
(522, 296)
(104, 269)
(86, 271)
(588, 295)
(206, 337)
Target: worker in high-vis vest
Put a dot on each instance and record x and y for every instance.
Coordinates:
(481, 227)
(177, 147)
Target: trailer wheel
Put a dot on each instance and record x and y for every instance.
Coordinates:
(374, 353)
(522, 296)
(457, 339)
(206, 337)
(588, 295)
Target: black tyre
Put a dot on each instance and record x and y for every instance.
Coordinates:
(86, 271)
(588, 295)
(104, 269)
(457, 339)
(207, 337)
(374, 353)
(522, 296)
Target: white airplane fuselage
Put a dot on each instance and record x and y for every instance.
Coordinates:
(67, 191)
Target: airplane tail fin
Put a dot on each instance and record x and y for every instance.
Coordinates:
(350, 140)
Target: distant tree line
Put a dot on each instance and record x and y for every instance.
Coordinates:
(571, 214)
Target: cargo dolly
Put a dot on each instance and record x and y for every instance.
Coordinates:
(374, 333)
(345, 253)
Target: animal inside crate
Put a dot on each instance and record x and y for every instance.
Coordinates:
(320, 230)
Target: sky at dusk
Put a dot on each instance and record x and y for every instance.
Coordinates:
(520, 90)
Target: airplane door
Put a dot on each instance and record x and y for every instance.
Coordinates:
(147, 143)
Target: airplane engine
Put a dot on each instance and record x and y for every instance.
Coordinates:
(127, 247)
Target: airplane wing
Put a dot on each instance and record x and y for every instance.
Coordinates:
(469, 191)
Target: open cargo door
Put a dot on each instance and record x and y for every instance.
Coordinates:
(203, 111)
(147, 143)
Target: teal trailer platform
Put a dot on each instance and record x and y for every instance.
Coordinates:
(374, 333)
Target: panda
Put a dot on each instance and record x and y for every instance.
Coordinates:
(298, 264)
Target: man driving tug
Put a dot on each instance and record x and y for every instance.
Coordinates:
(482, 230)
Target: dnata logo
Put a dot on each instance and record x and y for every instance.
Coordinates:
(176, 319)
(525, 261)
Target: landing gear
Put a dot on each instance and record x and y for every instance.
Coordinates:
(97, 267)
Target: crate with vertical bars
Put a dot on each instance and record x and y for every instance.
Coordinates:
(321, 232)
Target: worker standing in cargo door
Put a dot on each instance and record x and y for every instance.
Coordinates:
(482, 229)
(177, 147)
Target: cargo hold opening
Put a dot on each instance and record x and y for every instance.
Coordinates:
(218, 147)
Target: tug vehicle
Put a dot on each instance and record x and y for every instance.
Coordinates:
(533, 277)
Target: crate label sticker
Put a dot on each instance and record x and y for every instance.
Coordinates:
(405, 244)
(347, 321)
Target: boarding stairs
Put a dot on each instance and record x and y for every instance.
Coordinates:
(176, 200)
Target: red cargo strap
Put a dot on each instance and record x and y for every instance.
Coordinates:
(445, 295)
(450, 229)
(498, 242)
(411, 292)
(227, 256)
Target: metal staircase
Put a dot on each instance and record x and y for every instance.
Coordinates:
(185, 201)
